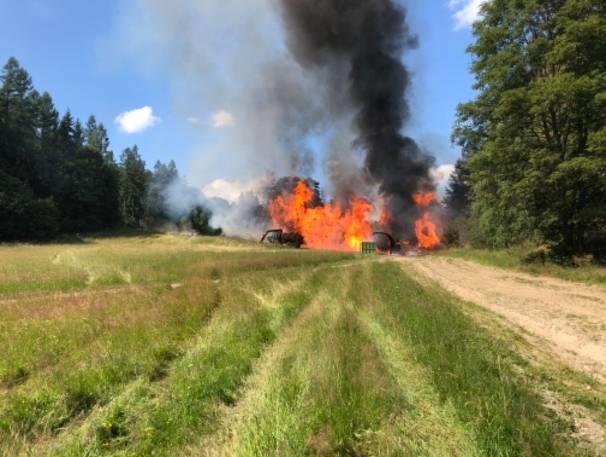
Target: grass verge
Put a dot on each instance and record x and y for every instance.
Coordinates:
(512, 259)
(470, 369)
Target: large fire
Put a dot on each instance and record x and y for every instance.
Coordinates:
(323, 227)
(425, 229)
(330, 226)
(424, 199)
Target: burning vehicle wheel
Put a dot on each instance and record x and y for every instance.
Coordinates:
(385, 243)
(279, 237)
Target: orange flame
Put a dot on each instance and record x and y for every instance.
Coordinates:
(424, 199)
(427, 235)
(425, 229)
(322, 227)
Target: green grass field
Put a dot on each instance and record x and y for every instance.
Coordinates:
(170, 345)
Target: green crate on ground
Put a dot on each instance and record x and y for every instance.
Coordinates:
(369, 247)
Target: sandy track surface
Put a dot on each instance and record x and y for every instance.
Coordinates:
(570, 318)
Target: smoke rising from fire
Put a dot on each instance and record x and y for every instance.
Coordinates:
(226, 55)
(315, 86)
(364, 40)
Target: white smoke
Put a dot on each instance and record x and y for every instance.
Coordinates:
(240, 218)
(230, 68)
(222, 119)
(229, 57)
(441, 176)
(231, 191)
(235, 206)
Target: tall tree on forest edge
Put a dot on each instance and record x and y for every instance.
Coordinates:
(535, 136)
(22, 214)
(92, 202)
(95, 136)
(162, 177)
(133, 187)
(457, 197)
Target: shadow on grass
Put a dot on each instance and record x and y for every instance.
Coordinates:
(88, 237)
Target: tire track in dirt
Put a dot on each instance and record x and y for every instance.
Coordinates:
(570, 318)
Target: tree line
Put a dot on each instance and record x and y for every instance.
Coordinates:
(534, 138)
(59, 176)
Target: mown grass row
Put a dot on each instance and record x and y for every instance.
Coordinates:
(278, 354)
(99, 264)
(158, 418)
(59, 369)
(71, 357)
(325, 393)
(469, 368)
(387, 367)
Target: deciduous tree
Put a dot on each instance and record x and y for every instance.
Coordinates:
(534, 137)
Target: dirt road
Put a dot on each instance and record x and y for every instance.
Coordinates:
(569, 318)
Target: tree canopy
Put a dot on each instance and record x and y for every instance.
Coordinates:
(58, 176)
(534, 139)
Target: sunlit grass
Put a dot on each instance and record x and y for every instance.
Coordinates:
(189, 346)
(470, 369)
(71, 346)
(513, 259)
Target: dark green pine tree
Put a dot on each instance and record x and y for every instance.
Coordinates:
(92, 200)
(66, 137)
(458, 196)
(23, 215)
(162, 177)
(49, 161)
(78, 135)
(134, 180)
(90, 191)
(17, 116)
(96, 137)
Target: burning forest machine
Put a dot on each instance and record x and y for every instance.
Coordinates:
(383, 243)
(282, 238)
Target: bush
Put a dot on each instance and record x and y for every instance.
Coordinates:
(200, 222)
(451, 237)
(539, 255)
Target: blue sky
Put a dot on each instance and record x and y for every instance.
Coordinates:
(108, 57)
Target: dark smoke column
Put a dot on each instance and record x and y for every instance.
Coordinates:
(367, 38)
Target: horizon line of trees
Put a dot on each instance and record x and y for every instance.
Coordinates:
(58, 176)
(534, 139)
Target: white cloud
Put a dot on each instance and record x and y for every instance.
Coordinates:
(218, 120)
(137, 120)
(466, 12)
(441, 175)
(232, 191)
(223, 119)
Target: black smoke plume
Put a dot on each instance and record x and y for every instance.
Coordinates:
(361, 43)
